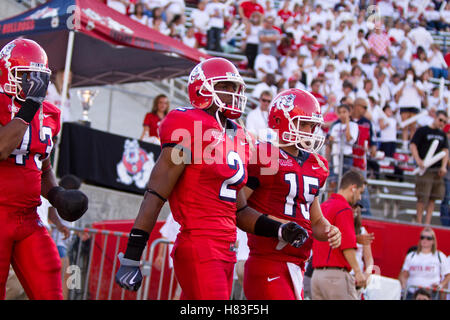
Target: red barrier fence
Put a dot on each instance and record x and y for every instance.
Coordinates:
(393, 239)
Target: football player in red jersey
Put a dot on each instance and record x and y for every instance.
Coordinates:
(27, 126)
(273, 270)
(201, 170)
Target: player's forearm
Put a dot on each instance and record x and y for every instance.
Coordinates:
(320, 228)
(246, 219)
(414, 152)
(48, 179)
(10, 137)
(148, 213)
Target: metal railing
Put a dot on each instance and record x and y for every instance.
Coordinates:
(432, 291)
(93, 252)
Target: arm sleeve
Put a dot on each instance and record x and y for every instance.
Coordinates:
(344, 221)
(354, 131)
(407, 262)
(176, 130)
(146, 120)
(254, 170)
(417, 137)
(445, 264)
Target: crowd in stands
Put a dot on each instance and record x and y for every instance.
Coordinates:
(378, 58)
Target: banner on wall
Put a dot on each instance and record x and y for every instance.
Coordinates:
(104, 159)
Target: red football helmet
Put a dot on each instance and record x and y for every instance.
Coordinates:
(18, 56)
(287, 110)
(203, 79)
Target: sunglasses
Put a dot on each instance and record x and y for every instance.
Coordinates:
(266, 100)
(426, 237)
(442, 120)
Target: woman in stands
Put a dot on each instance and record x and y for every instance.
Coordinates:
(426, 267)
(152, 119)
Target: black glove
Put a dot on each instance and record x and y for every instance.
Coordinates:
(35, 88)
(71, 204)
(292, 233)
(129, 275)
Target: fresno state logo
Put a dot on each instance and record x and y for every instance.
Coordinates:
(196, 74)
(5, 54)
(136, 165)
(285, 102)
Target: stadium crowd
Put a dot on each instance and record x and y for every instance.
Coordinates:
(371, 66)
(378, 58)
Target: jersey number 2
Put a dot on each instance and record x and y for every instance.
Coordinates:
(290, 205)
(234, 161)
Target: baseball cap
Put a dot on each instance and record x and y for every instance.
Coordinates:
(447, 128)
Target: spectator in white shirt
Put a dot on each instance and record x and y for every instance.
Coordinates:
(297, 29)
(340, 63)
(119, 5)
(268, 84)
(425, 267)
(409, 98)
(437, 62)
(321, 34)
(388, 132)
(381, 87)
(338, 39)
(252, 28)
(289, 63)
(421, 64)
(367, 91)
(200, 17)
(216, 11)
(342, 135)
(189, 38)
(421, 37)
(174, 7)
(360, 46)
(434, 100)
(397, 32)
(346, 91)
(265, 62)
(432, 17)
(445, 15)
(139, 14)
(256, 122)
(318, 15)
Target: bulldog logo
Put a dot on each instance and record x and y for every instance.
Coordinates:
(136, 165)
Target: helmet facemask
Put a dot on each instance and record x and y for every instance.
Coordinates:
(238, 98)
(14, 86)
(310, 142)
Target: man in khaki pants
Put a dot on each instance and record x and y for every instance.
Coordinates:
(331, 279)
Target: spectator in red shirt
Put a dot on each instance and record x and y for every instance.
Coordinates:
(246, 8)
(284, 13)
(152, 119)
(315, 87)
(331, 279)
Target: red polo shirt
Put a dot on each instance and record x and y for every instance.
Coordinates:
(340, 214)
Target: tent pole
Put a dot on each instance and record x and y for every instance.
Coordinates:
(67, 67)
(110, 108)
(69, 53)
